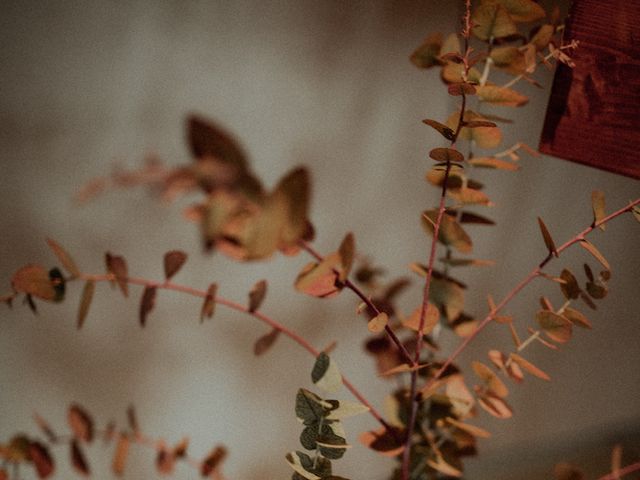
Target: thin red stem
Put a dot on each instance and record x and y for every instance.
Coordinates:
(354, 288)
(523, 283)
(241, 308)
(634, 467)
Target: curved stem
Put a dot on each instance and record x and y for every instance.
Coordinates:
(167, 285)
(523, 283)
(354, 288)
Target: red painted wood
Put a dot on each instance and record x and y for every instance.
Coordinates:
(593, 115)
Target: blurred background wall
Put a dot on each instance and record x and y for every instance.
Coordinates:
(86, 84)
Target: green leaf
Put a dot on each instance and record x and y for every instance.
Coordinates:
(346, 409)
(325, 373)
(257, 295)
(450, 233)
(173, 262)
(64, 257)
(502, 96)
(548, 241)
(441, 128)
(85, 302)
(555, 326)
(492, 20)
(591, 248)
(310, 408)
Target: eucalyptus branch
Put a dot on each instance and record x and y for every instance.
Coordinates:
(523, 283)
(634, 467)
(355, 289)
(167, 285)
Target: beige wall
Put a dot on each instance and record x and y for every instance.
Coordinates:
(325, 84)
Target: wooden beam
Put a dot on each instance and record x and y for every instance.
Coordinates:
(593, 115)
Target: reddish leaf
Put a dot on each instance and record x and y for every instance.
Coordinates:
(80, 422)
(264, 343)
(446, 155)
(117, 266)
(383, 441)
(441, 128)
(256, 295)
(548, 241)
(85, 302)
(165, 461)
(529, 367)
(45, 427)
(555, 326)
(495, 405)
(34, 280)
(209, 305)
(320, 279)
(576, 317)
(65, 259)
(147, 303)
(132, 419)
(173, 262)
(120, 455)
(590, 247)
(41, 459)
(78, 460)
(347, 253)
(491, 380)
(213, 461)
(462, 88)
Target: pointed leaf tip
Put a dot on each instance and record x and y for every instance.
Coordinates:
(173, 262)
(548, 241)
(257, 295)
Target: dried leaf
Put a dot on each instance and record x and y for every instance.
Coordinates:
(570, 289)
(403, 368)
(462, 88)
(446, 155)
(45, 427)
(590, 247)
(495, 405)
(120, 455)
(209, 304)
(492, 20)
(428, 53)
(502, 96)
(80, 423)
(555, 326)
(264, 343)
(448, 295)
(431, 319)
(548, 241)
(132, 419)
(320, 279)
(41, 459)
(117, 266)
(441, 128)
(257, 295)
(377, 323)
(493, 162)
(468, 217)
(453, 72)
(65, 259)
(598, 206)
(78, 460)
(85, 302)
(34, 280)
(469, 196)
(576, 317)
(529, 367)
(383, 441)
(347, 253)
(472, 429)
(484, 137)
(542, 37)
(173, 262)
(213, 461)
(523, 10)
(466, 262)
(441, 466)
(450, 233)
(165, 461)
(491, 380)
(147, 303)
(636, 213)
